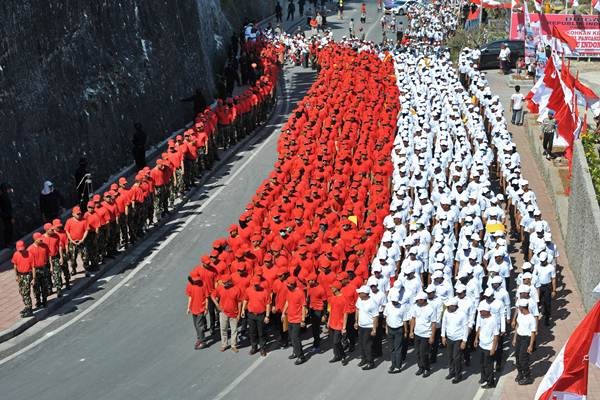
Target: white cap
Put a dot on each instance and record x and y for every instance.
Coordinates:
(460, 288)
(527, 275)
(543, 256)
(468, 269)
(488, 292)
(496, 279)
(372, 281)
(394, 294)
(523, 289)
(437, 274)
(494, 268)
(421, 296)
(387, 236)
(430, 289)
(526, 265)
(408, 269)
(452, 301)
(376, 267)
(363, 289)
(483, 306)
(523, 303)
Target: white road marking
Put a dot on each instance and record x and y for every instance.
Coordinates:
(239, 379)
(147, 261)
(479, 394)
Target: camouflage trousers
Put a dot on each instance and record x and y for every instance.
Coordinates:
(40, 285)
(91, 248)
(161, 201)
(58, 272)
(24, 281)
(179, 187)
(74, 251)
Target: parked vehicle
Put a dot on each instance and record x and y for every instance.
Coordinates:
(491, 51)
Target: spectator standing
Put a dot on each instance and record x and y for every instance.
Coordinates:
(291, 11)
(51, 202)
(516, 103)
(6, 214)
(278, 12)
(504, 58)
(548, 132)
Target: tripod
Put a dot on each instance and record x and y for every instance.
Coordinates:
(85, 189)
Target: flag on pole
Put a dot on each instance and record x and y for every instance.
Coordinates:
(564, 37)
(538, 5)
(567, 377)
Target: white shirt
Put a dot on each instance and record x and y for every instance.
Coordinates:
(396, 315)
(455, 325)
(424, 317)
(545, 274)
(526, 324)
(517, 99)
(487, 330)
(367, 310)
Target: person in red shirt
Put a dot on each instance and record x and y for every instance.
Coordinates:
(63, 241)
(295, 312)
(208, 273)
(52, 241)
(40, 256)
(228, 300)
(257, 307)
(316, 308)
(76, 229)
(337, 321)
(198, 293)
(280, 292)
(23, 266)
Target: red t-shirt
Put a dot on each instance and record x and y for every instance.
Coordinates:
(296, 300)
(350, 295)
(93, 220)
(337, 310)
(76, 228)
(53, 243)
(199, 295)
(257, 300)
(39, 254)
(229, 299)
(317, 297)
(23, 261)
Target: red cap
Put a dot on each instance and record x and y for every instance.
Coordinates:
(114, 186)
(57, 223)
(214, 253)
(276, 246)
(76, 210)
(122, 180)
(255, 280)
(233, 228)
(195, 275)
(291, 281)
(268, 257)
(20, 245)
(205, 259)
(96, 197)
(47, 226)
(342, 275)
(37, 236)
(282, 271)
(226, 277)
(311, 277)
(336, 285)
(90, 204)
(258, 271)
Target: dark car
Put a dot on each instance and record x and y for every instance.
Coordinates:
(491, 51)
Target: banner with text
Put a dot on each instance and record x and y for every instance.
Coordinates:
(584, 28)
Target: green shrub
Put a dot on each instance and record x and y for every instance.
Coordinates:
(590, 144)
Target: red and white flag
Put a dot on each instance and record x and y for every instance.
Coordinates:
(595, 4)
(567, 377)
(565, 38)
(539, 95)
(538, 5)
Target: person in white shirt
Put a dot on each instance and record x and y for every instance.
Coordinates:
(487, 341)
(516, 103)
(504, 58)
(524, 341)
(380, 298)
(546, 274)
(396, 315)
(454, 335)
(367, 318)
(422, 330)
(438, 305)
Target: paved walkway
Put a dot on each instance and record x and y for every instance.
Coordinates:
(568, 309)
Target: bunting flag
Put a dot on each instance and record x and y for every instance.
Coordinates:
(538, 96)
(596, 5)
(538, 5)
(585, 96)
(567, 377)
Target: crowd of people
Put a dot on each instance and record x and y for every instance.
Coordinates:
(371, 227)
(117, 218)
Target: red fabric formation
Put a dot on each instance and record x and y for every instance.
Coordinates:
(334, 162)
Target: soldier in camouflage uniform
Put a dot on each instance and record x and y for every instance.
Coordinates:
(23, 265)
(76, 230)
(112, 234)
(64, 244)
(52, 240)
(40, 258)
(91, 240)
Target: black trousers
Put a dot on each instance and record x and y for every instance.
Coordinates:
(336, 338)
(295, 339)
(454, 357)
(277, 327)
(487, 366)
(499, 351)
(548, 142)
(256, 326)
(436, 345)
(365, 341)
(213, 316)
(522, 356)
(378, 339)
(351, 333)
(397, 342)
(546, 301)
(423, 350)
(199, 322)
(315, 326)
(469, 348)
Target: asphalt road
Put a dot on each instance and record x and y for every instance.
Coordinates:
(129, 336)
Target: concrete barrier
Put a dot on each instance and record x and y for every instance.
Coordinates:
(583, 233)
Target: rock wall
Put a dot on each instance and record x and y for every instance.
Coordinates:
(76, 75)
(583, 228)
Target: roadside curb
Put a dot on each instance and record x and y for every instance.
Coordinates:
(126, 259)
